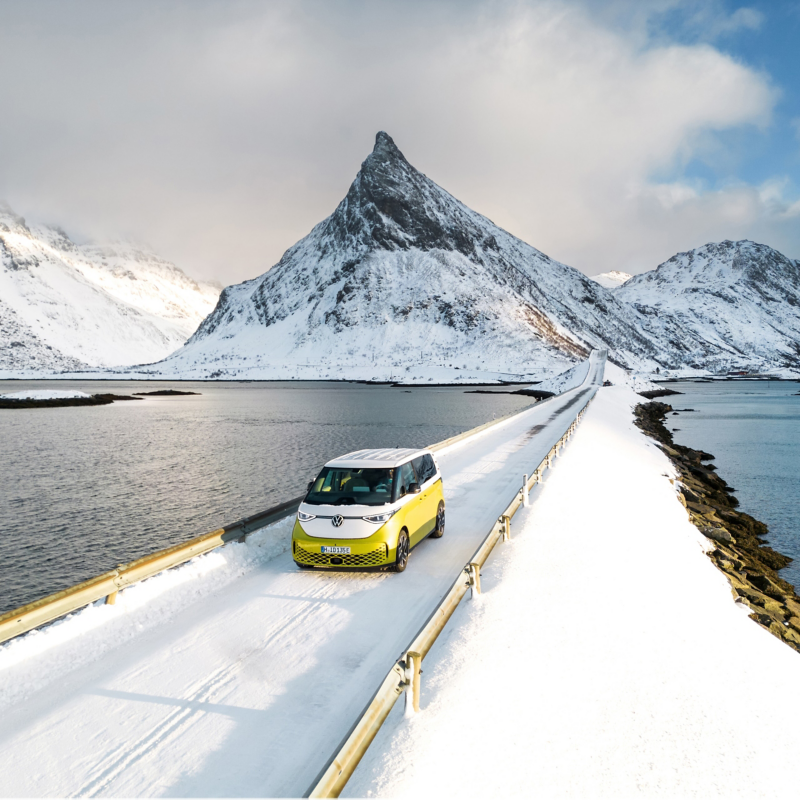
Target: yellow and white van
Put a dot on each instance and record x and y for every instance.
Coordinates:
(368, 509)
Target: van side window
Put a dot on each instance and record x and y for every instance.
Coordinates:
(405, 478)
(424, 467)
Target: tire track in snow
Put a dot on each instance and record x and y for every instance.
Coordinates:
(280, 636)
(113, 766)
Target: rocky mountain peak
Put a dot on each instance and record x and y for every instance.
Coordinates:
(393, 206)
(385, 149)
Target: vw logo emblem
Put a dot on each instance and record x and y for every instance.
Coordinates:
(337, 521)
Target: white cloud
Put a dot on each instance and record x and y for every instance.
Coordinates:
(716, 22)
(223, 132)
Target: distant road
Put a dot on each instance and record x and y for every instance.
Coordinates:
(248, 691)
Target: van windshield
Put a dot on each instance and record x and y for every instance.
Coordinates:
(340, 486)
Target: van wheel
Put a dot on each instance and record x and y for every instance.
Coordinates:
(401, 559)
(438, 531)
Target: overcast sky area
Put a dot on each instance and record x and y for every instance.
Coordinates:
(610, 135)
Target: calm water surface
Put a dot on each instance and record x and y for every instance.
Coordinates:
(753, 429)
(83, 489)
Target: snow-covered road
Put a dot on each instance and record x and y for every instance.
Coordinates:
(606, 658)
(248, 690)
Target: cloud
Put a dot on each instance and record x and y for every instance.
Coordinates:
(741, 19)
(712, 21)
(222, 132)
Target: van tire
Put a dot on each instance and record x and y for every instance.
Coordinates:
(438, 531)
(401, 552)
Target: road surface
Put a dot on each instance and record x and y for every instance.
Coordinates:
(248, 691)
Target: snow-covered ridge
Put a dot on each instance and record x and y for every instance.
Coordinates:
(401, 275)
(610, 280)
(403, 282)
(66, 306)
(732, 305)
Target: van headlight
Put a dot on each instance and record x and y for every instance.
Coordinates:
(303, 517)
(379, 519)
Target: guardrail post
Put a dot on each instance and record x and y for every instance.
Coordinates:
(505, 521)
(525, 499)
(412, 673)
(474, 572)
(111, 598)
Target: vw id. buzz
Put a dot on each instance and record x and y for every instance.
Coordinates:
(368, 509)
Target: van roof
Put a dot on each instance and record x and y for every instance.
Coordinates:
(387, 457)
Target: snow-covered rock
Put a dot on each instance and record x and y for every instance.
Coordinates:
(44, 394)
(400, 275)
(65, 306)
(731, 305)
(610, 280)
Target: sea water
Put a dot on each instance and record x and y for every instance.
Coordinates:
(753, 429)
(83, 489)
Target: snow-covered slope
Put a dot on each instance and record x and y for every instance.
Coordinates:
(569, 379)
(610, 280)
(65, 306)
(733, 304)
(401, 275)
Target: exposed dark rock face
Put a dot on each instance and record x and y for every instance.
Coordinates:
(739, 551)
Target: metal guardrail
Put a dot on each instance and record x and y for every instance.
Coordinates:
(39, 612)
(404, 676)
(47, 609)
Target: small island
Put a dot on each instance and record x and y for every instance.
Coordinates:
(47, 398)
(167, 393)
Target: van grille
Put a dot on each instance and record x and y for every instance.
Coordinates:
(373, 558)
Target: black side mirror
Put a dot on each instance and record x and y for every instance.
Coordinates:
(310, 484)
(413, 488)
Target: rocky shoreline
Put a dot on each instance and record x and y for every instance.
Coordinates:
(739, 551)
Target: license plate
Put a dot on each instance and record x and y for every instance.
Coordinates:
(337, 551)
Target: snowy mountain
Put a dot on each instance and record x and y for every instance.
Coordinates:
(610, 280)
(403, 281)
(734, 305)
(65, 306)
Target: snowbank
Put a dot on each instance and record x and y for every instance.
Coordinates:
(44, 394)
(565, 381)
(46, 654)
(606, 657)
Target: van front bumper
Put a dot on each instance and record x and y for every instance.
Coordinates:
(377, 550)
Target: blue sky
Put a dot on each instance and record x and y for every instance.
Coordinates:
(771, 44)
